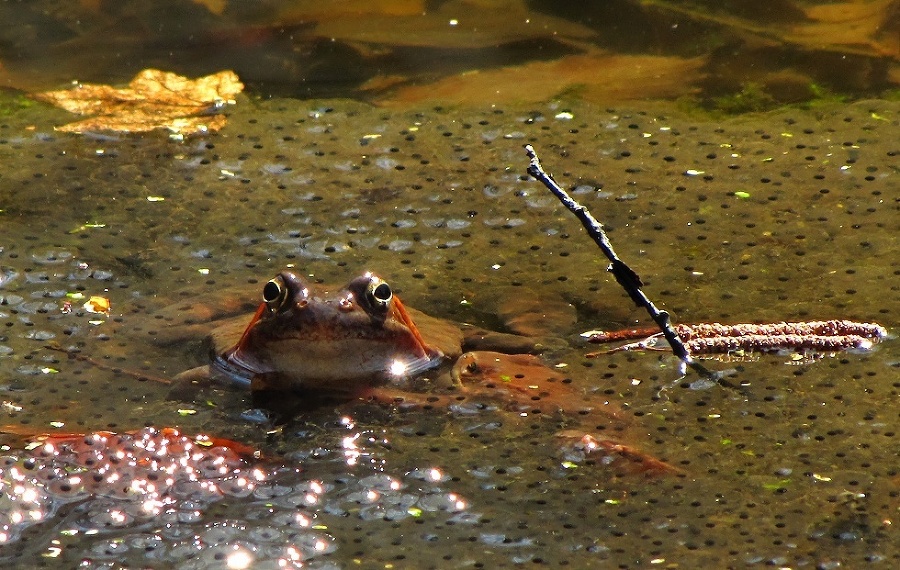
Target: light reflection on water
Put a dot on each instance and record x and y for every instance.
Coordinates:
(152, 492)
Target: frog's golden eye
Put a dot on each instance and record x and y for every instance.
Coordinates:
(380, 292)
(275, 293)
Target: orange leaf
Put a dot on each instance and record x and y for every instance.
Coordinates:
(153, 100)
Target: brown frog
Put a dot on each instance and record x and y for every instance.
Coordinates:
(341, 341)
(360, 341)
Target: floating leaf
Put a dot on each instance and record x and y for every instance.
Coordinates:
(153, 100)
(97, 304)
(775, 486)
(87, 226)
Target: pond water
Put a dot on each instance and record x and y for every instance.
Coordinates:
(789, 214)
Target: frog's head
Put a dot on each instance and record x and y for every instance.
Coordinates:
(331, 338)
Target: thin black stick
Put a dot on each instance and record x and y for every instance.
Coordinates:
(625, 276)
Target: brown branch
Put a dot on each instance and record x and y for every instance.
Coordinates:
(715, 338)
(830, 328)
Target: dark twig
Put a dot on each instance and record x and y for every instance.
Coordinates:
(625, 276)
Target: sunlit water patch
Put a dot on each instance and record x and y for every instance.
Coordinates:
(194, 502)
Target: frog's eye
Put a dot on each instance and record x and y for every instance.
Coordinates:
(275, 293)
(380, 292)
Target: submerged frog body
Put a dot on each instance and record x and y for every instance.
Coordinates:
(360, 341)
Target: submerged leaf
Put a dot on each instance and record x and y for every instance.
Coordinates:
(861, 27)
(851, 24)
(600, 77)
(452, 24)
(216, 7)
(153, 100)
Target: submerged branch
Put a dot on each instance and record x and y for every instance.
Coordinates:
(73, 355)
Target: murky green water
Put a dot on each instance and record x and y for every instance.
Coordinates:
(796, 469)
(439, 205)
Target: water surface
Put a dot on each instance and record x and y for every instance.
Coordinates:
(784, 215)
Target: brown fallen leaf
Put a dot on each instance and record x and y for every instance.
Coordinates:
(153, 100)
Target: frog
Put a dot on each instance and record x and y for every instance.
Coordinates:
(360, 341)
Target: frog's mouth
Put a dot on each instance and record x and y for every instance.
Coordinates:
(317, 365)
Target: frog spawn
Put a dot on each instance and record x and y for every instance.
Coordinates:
(151, 493)
(120, 481)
